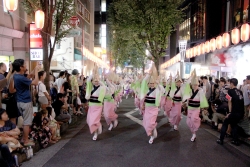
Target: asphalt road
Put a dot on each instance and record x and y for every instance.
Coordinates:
(127, 146)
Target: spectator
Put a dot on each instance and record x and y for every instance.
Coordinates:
(10, 100)
(236, 112)
(23, 96)
(43, 96)
(6, 159)
(212, 87)
(59, 81)
(3, 69)
(53, 125)
(8, 137)
(206, 87)
(246, 94)
(40, 130)
(68, 90)
(75, 90)
(58, 106)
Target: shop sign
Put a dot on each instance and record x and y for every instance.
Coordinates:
(36, 54)
(35, 37)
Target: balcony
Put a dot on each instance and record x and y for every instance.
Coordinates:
(82, 11)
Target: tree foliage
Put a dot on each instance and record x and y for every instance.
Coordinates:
(147, 23)
(56, 24)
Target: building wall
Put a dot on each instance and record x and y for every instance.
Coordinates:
(13, 38)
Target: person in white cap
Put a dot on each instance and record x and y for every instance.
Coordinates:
(150, 91)
(196, 101)
(95, 93)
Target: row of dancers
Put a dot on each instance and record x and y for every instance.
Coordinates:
(151, 93)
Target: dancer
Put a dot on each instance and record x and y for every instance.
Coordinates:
(177, 96)
(95, 92)
(109, 104)
(127, 88)
(150, 90)
(168, 102)
(196, 101)
(163, 92)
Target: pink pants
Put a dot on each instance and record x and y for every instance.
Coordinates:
(162, 102)
(193, 119)
(94, 117)
(168, 106)
(175, 113)
(149, 119)
(109, 112)
(137, 102)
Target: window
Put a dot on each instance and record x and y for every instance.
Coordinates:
(238, 12)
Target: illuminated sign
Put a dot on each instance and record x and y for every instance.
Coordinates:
(35, 37)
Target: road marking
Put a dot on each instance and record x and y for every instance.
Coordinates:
(129, 115)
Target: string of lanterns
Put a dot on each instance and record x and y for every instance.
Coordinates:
(93, 58)
(11, 6)
(216, 43)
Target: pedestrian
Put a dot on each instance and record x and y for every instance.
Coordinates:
(23, 96)
(95, 93)
(236, 112)
(151, 92)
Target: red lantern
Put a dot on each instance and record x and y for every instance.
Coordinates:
(11, 5)
(39, 19)
(244, 32)
(235, 35)
(74, 21)
(212, 45)
(226, 40)
(207, 47)
(219, 42)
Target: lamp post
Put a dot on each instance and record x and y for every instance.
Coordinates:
(182, 49)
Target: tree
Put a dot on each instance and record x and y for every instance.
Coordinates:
(149, 22)
(57, 14)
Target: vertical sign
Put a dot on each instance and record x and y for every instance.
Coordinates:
(36, 43)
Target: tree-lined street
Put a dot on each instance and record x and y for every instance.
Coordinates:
(127, 145)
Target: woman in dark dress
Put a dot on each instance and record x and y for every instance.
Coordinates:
(40, 129)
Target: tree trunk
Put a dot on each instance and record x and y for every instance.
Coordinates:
(46, 62)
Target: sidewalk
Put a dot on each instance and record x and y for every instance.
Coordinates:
(67, 132)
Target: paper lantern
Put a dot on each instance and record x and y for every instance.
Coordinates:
(235, 36)
(191, 52)
(212, 45)
(39, 19)
(219, 42)
(11, 5)
(225, 40)
(195, 51)
(199, 50)
(188, 53)
(207, 47)
(244, 32)
(203, 48)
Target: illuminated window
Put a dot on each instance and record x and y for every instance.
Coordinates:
(103, 5)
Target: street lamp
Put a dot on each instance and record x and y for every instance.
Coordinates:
(182, 49)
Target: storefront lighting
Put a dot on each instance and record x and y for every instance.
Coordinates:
(235, 35)
(244, 32)
(219, 42)
(212, 45)
(39, 19)
(226, 40)
(207, 47)
(11, 5)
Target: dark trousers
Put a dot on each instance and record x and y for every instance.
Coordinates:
(233, 119)
(6, 159)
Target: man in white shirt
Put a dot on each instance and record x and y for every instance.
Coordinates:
(59, 81)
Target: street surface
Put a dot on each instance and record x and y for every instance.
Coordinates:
(127, 146)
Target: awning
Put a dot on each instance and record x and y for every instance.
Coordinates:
(78, 55)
